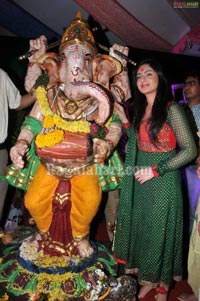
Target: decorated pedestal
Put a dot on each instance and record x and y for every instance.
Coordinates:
(47, 266)
(26, 276)
(62, 278)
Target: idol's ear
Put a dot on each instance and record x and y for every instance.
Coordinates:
(50, 64)
(104, 68)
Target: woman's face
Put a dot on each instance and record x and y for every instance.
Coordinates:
(147, 79)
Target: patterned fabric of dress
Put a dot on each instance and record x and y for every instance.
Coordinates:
(149, 223)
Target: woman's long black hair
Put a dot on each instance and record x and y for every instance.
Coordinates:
(159, 109)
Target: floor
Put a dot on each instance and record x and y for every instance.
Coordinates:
(177, 288)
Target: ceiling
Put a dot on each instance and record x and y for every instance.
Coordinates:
(144, 24)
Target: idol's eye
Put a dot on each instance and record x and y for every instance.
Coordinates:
(88, 59)
(62, 58)
(138, 76)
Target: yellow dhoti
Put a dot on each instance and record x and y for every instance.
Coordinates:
(85, 197)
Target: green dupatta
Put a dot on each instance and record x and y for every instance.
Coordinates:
(122, 237)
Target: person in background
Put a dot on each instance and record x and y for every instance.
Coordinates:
(192, 110)
(10, 98)
(194, 256)
(148, 237)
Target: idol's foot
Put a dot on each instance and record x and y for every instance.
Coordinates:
(84, 248)
(144, 290)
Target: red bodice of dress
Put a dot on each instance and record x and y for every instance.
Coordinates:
(166, 139)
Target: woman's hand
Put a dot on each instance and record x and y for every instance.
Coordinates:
(144, 174)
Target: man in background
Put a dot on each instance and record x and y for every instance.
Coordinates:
(10, 98)
(192, 110)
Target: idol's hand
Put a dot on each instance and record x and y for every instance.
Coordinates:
(40, 45)
(18, 152)
(120, 87)
(122, 49)
(102, 150)
(34, 70)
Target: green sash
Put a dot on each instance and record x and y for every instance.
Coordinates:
(21, 178)
(111, 173)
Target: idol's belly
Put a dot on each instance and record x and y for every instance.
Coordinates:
(72, 156)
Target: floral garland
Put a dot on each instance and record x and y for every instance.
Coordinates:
(54, 124)
(50, 138)
(71, 126)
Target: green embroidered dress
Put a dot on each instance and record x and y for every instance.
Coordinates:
(149, 224)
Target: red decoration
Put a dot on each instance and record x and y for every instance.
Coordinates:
(126, 125)
(161, 290)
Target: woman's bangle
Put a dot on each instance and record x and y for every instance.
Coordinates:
(161, 290)
(126, 125)
(155, 173)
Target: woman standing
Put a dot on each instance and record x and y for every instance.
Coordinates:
(149, 224)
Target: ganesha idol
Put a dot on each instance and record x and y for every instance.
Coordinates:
(74, 128)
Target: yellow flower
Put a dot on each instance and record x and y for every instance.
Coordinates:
(81, 126)
(49, 139)
(48, 122)
(108, 122)
(41, 95)
(4, 298)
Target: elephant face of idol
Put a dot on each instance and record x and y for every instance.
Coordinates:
(76, 66)
(76, 75)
